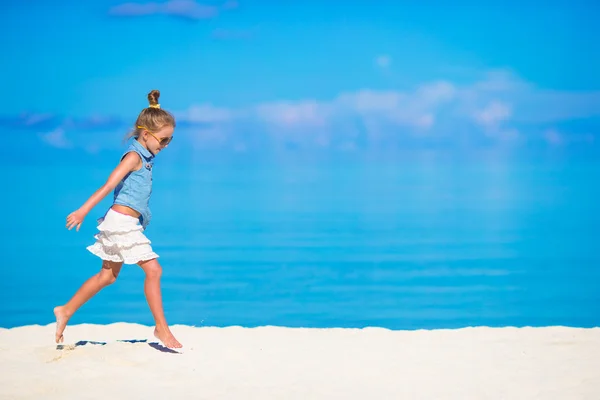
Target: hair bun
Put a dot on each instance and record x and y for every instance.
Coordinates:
(153, 97)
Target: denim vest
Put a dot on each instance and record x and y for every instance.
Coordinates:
(136, 187)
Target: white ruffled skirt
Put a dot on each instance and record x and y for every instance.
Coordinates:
(121, 239)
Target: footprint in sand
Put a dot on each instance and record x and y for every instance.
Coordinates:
(54, 353)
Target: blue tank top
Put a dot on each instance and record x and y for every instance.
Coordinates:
(136, 187)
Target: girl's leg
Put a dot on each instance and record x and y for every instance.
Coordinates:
(153, 272)
(107, 275)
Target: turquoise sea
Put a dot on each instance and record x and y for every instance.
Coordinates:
(396, 245)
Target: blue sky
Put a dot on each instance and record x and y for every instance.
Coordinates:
(357, 76)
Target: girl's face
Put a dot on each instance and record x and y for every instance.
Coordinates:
(158, 140)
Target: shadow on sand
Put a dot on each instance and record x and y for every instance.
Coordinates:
(81, 343)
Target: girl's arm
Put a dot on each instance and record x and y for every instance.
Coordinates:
(130, 162)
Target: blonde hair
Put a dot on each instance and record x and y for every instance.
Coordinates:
(152, 118)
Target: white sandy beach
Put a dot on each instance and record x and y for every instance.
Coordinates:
(98, 362)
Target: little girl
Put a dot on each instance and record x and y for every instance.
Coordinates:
(121, 238)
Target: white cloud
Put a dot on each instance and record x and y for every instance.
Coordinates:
(289, 114)
(498, 81)
(557, 138)
(498, 107)
(366, 101)
(436, 92)
(493, 114)
(57, 138)
(424, 121)
(178, 8)
(383, 61)
(410, 109)
(205, 113)
(493, 107)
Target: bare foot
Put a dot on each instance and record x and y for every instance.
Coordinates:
(167, 338)
(61, 322)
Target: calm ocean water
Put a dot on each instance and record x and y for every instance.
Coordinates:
(397, 246)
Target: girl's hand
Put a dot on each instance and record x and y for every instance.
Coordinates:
(75, 219)
(130, 162)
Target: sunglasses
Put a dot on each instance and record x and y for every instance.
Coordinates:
(164, 141)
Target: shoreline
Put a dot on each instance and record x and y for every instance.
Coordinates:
(136, 324)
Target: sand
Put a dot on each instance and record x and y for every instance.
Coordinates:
(124, 361)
